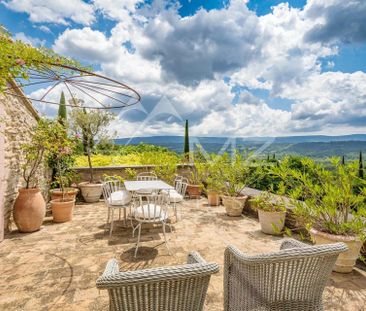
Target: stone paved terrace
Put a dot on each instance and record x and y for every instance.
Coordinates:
(56, 267)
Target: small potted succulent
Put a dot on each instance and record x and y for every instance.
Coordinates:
(271, 213)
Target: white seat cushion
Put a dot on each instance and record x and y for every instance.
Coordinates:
(150, 212)
(121, 197)
(175, 197)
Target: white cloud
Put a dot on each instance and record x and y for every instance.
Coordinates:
(29, 40)
(57, 12)
(117, 9)
(86, 44)
(184, 61)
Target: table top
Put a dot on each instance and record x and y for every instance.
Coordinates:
(134, 185)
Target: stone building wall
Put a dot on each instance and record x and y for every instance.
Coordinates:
(17, 119)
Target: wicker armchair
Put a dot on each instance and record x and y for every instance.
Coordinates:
(179, 288)
(290, 279)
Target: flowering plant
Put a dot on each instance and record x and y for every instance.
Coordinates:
(60, 150)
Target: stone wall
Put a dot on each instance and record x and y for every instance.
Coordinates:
(101, 172)
(17, 119)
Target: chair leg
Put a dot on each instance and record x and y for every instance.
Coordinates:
(119, 214)
(138, 239)
(111, 228)
(166, 242)
(175, 211)
(134, 229)
(108, 218)
(125, 216)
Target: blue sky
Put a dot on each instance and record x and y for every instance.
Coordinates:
(244, 68)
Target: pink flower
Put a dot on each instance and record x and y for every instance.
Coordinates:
(77, 136)
(65, 151)
(20, 62)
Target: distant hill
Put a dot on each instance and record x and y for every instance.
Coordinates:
(318, 146)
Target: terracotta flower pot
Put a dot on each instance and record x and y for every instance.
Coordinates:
(194, 191)
(71, 193)
(271, 222)
(234, 205)
(29, 210)
(213, 198)
(346, 260)
(91, 192)
(62, 210)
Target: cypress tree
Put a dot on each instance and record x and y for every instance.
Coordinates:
(360, 167)
(62, 113)
(274, 156)
(268, 158)
(186, 140)
(343, 161)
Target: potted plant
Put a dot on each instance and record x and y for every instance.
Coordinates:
(233, 174)
(91, 124)
(30, 207)
(66, 163)
(213, 187)
(194, 187)
(212, 183)
(60, 148)
(331, 209)
(271, 213)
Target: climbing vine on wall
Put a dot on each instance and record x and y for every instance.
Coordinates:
(17, 57)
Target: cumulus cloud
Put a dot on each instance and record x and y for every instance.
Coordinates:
(330, 98)
(336, 20)
(28, 39)
(86, 44)
(198, 47)
(58, 12)
(191, 67)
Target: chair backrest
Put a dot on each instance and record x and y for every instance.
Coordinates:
(146, 176)
(179, 288)
(151, 207)
(177, 180)
(182, 187)
(291, 279)
(111, 186)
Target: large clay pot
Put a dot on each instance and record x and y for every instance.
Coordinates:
(346, 260)
(271, 222)
(213, 198)
(91, 192)
(194, 191)
(234, 205)
(29, 210)
(62, 210)
(70, 193)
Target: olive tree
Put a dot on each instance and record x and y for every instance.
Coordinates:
(92, 124)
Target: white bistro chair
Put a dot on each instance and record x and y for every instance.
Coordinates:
(116, 197)
(177, 194)
(145, 176)
(152, 209)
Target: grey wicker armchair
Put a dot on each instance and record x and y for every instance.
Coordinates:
(178, 288)
(290, 279)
